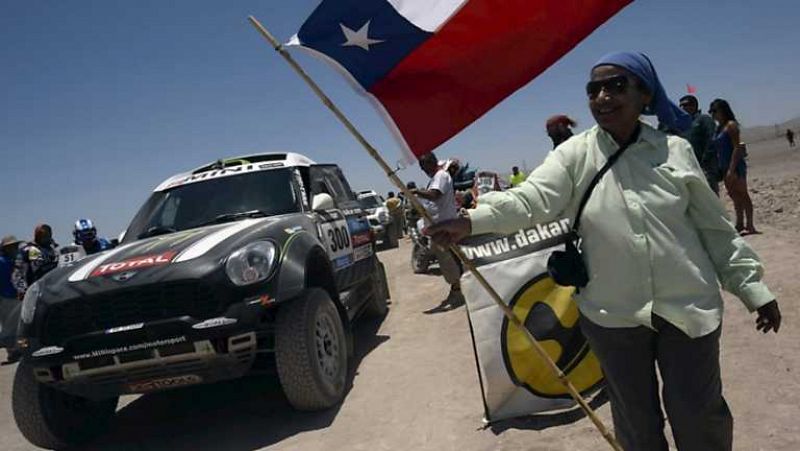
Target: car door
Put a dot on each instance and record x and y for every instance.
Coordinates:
(344, 230)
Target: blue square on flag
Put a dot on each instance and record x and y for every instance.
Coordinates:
(367, 37)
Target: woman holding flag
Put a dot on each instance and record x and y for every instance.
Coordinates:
(657, 245)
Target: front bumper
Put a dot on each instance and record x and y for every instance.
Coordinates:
(198, 362)
(154, 356)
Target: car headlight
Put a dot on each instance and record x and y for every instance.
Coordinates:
(251, 264)
(29, 303)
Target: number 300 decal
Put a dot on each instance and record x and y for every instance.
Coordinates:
(337, 238)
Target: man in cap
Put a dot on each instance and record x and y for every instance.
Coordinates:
(440, 202)
(559, 128)
(701, 136)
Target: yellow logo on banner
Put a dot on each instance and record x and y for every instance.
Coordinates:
(550, 313)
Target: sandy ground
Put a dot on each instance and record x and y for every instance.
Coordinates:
(414, 383)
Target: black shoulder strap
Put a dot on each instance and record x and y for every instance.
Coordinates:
(588, 193)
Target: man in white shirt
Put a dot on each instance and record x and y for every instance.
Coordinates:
(441, 204)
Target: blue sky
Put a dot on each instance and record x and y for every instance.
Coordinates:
(103, 99)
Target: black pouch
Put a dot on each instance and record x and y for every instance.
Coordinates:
(567, 267)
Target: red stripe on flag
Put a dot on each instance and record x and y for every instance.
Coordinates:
(484, 53)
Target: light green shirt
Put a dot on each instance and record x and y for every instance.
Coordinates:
(656, 239)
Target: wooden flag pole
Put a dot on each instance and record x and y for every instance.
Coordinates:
(507, 311)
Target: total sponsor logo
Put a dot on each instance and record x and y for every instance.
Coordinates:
(145, 261)
(164, 383)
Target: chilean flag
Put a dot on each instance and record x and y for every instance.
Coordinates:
(435, 66)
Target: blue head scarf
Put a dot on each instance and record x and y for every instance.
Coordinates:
(669, 115)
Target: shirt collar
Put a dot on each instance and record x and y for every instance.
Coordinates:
(647, 134)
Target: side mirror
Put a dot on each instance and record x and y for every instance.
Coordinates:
(322, 201)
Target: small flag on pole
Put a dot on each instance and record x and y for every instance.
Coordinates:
(691, 89)
(435, 66)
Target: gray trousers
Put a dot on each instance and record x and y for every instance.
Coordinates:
(451, 270)
(692, 389)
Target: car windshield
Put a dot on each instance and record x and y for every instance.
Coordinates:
(369, 202)
(214, 201)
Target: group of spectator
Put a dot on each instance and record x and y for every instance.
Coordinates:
(22, 263)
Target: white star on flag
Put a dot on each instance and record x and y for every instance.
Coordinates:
(358, 38)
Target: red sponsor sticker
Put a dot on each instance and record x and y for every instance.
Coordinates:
(167, 382)
(361, 239)
(144, 261)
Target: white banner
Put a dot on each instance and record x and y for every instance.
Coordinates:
(515, 381)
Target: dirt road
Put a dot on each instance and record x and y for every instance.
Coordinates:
(415, 385)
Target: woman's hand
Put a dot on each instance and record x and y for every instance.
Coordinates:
(449, 232)
(769, 317)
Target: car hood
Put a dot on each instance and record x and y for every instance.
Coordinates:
(188, 254)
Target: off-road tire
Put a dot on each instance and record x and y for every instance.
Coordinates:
(52, 419)
(313, 374)
(378, 305)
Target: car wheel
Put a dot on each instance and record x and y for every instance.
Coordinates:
(311, 351)
(419, 264)
(52, 419)
(378, 305)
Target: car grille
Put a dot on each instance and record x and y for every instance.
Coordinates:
(131, 306)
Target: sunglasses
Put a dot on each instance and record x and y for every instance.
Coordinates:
(613, 85)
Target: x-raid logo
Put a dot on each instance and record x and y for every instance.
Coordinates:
(126, 266)
(124, 276)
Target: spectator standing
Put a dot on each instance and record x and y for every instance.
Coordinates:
(516, 177)
(658, 303)
(559, 128)
(394, 205)
(9, 248)
(701, 136)
(441, 205)
(8, 255)
(790, 137)
(731, 153)
(35, 259)
(410, 213)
